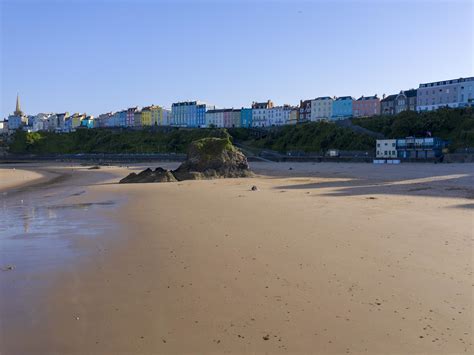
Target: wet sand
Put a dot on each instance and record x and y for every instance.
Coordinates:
(323, 258)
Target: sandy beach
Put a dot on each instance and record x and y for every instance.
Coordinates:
(11, 178)
(321, 259)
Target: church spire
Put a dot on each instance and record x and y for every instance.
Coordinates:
(18, 111)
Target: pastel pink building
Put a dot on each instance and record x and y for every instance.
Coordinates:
(366, 106)
(228, 118)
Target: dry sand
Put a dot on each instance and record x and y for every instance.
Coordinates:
(322, 259)
(12, 177)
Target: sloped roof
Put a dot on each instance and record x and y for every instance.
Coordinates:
(411, 92)
(365, 98)
(389, 98)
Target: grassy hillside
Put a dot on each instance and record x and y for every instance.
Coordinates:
(309, 137)
(456, 125)
(109, 141)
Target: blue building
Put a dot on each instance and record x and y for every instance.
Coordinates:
(122, 118)
(342, 108)
(88, 122)
(420, 148)
(189, 114)
(246, 117)
(200, 116)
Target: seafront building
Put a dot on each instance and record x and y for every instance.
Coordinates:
(406, 101)
(103, 120)
(228, 117)
(87, 122)
(305, 111)
(387, 104)
(342, 108)
(397, 103)
(189, 114)
(366, 106)
(294, 116)
(260, 113)
(214, 118)
(137, 118)
(278, 115)
(145, 117)
(236, 117)
(410, 148)
(156, 115)
(321, 108)
(246, 117)
(131, 116)
(386, 148)
(449, 93)
(166, 113)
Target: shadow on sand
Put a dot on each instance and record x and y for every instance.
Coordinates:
(452, 186)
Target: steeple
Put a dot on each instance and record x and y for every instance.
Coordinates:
(18, 111)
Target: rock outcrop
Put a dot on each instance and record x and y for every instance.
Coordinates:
(207, 158)
(148, 175)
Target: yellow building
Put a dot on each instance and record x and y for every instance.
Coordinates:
(156, 115)
(146, 116)
(294, 116)
(77, 119)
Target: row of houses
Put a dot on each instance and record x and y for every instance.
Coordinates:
(453, 93)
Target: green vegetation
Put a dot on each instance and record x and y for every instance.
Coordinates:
(455, 125)
(212, 146)
(110, 141)
(309, 137)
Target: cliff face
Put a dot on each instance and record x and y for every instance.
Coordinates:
(207, 158)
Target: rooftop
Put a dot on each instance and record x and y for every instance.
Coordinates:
(365, 98)
(389, 98)
(446, 82)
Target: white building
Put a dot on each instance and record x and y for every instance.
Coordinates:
(166, 117)
(386, 148)
(260, 113)
(215, 118)
(39, 122)
(449, 93)
(278, 115)
(321, 108)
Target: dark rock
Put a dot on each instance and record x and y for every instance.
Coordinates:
(211, 158)
(95, 167)
(208, 158)
(148, 175)
(254, 188)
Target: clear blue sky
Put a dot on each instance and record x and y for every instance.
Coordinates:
(99, 56)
